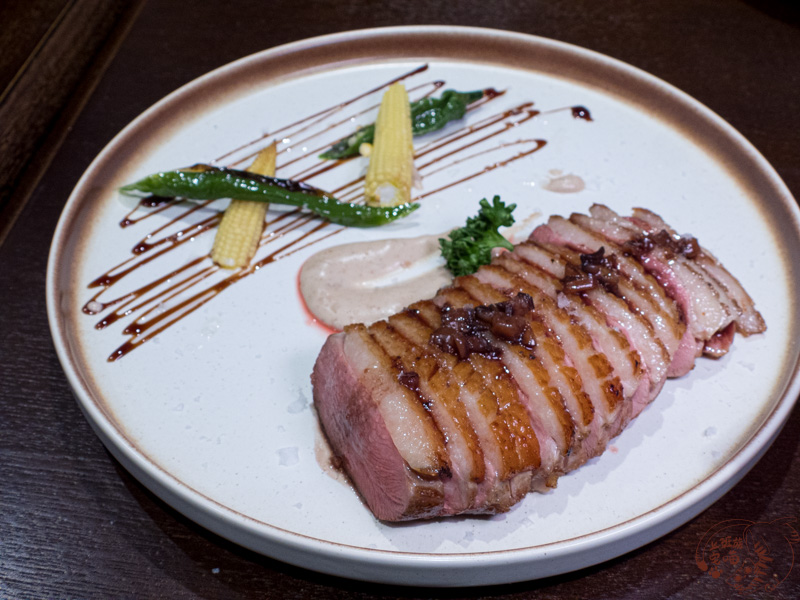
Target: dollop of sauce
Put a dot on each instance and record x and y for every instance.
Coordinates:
(364, 282)
(565, 184)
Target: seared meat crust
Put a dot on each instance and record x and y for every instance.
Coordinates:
(515, 375)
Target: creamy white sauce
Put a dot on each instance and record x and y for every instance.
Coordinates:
(364, 282)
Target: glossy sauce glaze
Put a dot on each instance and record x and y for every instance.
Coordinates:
(172, 293)
(581, 112)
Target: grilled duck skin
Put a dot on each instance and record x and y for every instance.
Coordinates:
(521, 372)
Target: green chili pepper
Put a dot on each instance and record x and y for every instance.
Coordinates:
(427, 114)
(204, 182)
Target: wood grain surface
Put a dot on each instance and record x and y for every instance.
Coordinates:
(74, 524)
(51, 55)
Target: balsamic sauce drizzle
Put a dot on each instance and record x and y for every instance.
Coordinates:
(165, 300)
(434, 86)
(581, 112)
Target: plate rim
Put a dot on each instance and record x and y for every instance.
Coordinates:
(441, 568)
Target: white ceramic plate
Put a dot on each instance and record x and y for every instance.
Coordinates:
(213, 414)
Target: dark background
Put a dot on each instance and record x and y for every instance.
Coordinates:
(73, 523)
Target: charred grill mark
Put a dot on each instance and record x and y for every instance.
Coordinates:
(571, 385)
(587, 311)
(498, 398)
(613, 389)
(557, 320)
(638, 300)
(403, 369)
(599, 363)
(569, 257)
(640, 289)
(511, 423)
(441, 402)
(469, 292)
(411, 328)
(386, 361)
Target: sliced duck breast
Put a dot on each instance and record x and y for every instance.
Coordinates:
(510, 378)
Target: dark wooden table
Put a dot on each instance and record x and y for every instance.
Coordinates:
(73, 523)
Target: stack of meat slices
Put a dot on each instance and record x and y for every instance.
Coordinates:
(523, 371)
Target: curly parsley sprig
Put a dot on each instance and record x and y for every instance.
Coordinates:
(470, 246)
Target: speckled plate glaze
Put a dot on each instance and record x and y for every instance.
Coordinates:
(214, 413)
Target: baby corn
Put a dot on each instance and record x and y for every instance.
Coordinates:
(391, 165)
(243, 221)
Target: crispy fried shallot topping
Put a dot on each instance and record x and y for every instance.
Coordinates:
(408, 379)
(596, 269)
(464, 330)
(679, 245)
